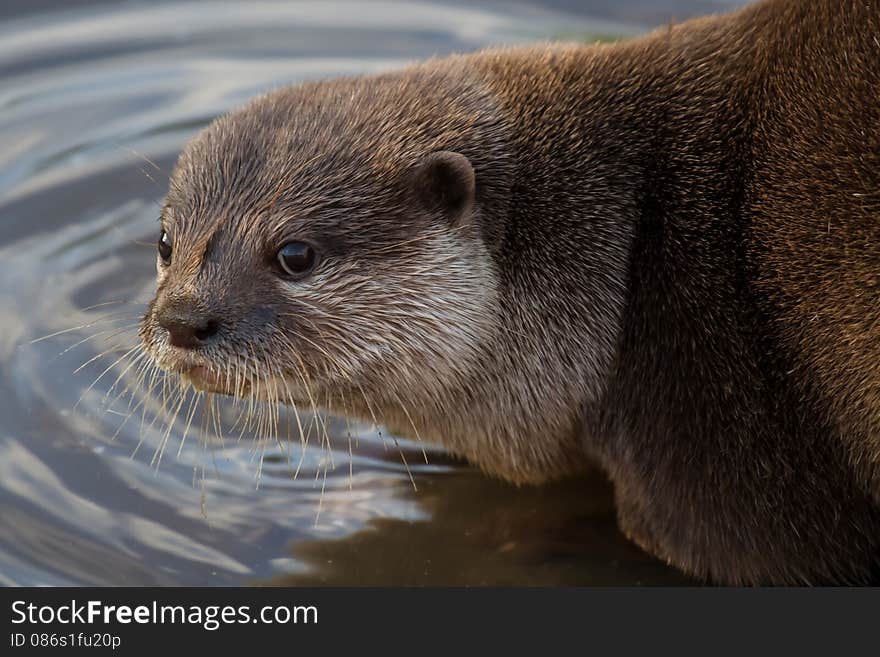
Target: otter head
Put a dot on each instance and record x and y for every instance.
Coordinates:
(371, 247)
(325, 246)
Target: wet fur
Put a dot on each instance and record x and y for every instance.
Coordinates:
(670, 266)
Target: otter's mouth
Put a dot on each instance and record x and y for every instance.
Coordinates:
(207, 380)
(196, 371)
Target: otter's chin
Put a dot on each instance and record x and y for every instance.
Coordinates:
(205, 379)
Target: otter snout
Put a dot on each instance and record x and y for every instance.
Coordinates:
(188, 327)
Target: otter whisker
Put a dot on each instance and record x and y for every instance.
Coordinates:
(210, 401)
(110, 318)
(301, 370)
(128, 416)
(101, 375)
(269, 428)
(304, 444)
(227, 370)
(325, 442)
(143, 157)
(193, 405)
(280, 375)
(163, 409)
(348, 436)
(216, 422)
(261, 446)
(303, 437)
(113, 331)
(155, 374)
(239, 377)
(372, 414)
(413, 425)
(113, 349)
(165, 384)
(134, 361)
(142, 362)
(273, 396)
(151, 372)
(244, 418)
(239, 418)
(160, 448)
(405, 464)
(259, 450)
(139, 379)
(319, 348)
(201, 467)
(253, 388)
(203, 440)
(102, 304)
(321, 497)
(396, 444)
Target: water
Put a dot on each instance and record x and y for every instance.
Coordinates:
(95, 102)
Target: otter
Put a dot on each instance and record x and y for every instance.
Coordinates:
(659, 256)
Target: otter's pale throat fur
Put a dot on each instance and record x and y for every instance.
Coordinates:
(660, 256)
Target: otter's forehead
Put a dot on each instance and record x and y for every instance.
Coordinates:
(341, 145)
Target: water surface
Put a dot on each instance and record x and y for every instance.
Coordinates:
(96, 100)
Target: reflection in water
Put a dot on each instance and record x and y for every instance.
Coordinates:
(482, 532)
(94, 105)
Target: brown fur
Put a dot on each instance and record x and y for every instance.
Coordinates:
(667, 260)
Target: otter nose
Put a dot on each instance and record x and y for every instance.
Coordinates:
(188, 330)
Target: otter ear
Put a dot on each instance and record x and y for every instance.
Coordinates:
(444, 182)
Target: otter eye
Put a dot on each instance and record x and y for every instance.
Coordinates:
(165, 248)
(297, 258)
